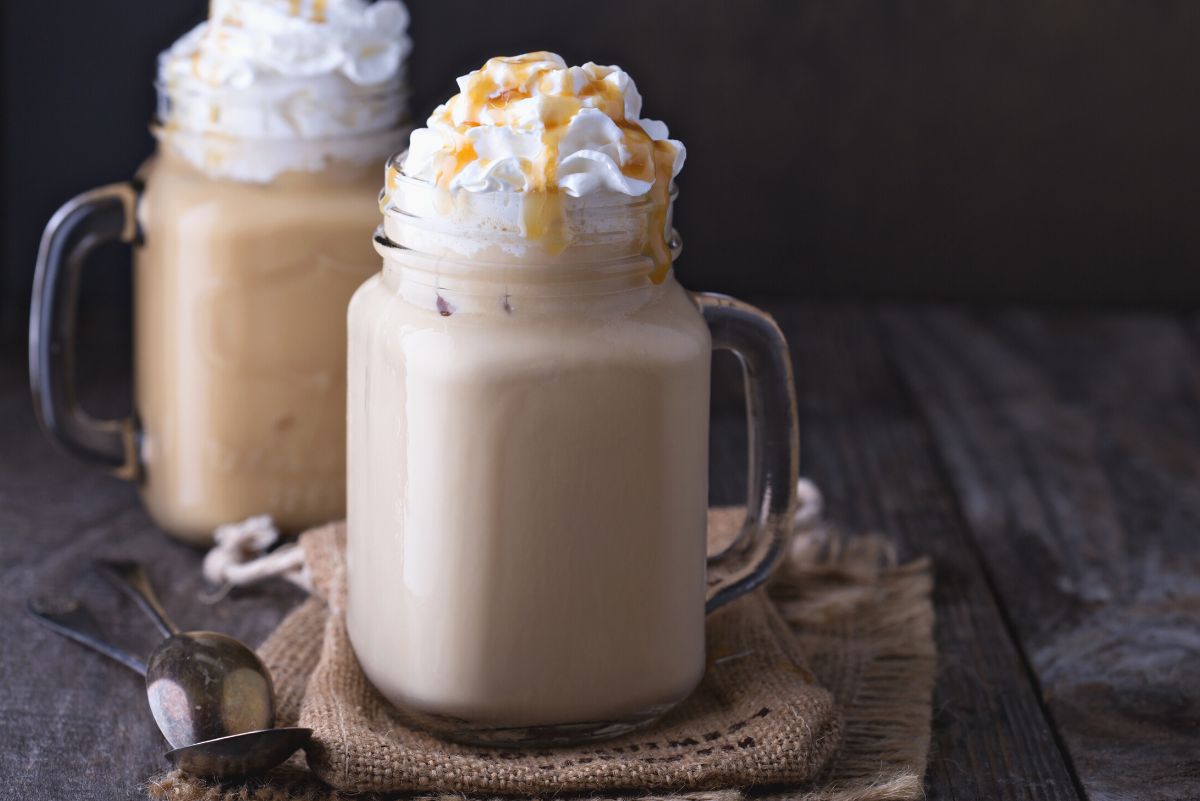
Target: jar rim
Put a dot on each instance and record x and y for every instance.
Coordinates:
(439, 228)
(385, 136)
(261, 157)
(261, 95)
(292, 111)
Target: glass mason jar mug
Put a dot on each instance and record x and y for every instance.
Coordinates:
(527, 457)
(246, 253)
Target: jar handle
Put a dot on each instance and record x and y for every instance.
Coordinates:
(86, 221)
(756, 340)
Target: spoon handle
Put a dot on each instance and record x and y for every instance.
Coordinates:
(130, 578)
(68, 618)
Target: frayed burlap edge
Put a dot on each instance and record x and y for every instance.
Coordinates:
(866, 623)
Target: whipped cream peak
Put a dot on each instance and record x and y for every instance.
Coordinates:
(285, 70)
(246, 42)
(531, 123)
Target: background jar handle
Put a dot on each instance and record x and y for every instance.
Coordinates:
(86, 221)
(773, 446)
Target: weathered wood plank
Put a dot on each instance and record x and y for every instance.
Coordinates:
(867, 445)
(1074, 441)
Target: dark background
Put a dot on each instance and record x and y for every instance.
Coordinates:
(1037, 150)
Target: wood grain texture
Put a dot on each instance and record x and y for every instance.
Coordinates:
(1073, 440)
(865, 442)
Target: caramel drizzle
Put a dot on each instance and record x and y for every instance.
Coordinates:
(391, 182)
(657, 247)
(318, 10)
(542, 215)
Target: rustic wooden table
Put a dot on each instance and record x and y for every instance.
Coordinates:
(1049, 462)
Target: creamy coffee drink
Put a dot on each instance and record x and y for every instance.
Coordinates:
(255, 223)
(528, 480)
(528, 418)
(240, 346)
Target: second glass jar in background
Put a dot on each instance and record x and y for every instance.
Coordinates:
(240, 304)
(246, 252)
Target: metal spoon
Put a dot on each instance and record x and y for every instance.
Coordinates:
(226, 757)
(202, 685)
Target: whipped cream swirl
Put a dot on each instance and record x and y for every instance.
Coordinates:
(533, 124)
(284, 70)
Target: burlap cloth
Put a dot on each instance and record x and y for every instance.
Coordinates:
(822, 684)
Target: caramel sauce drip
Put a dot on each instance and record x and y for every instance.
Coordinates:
(652, 161)
(542, 213)
(391, 182)
(542, 219)
(657, 247)
(478, 95)
(641, 165)
(296, 9)
(611, 102)
(460, 158)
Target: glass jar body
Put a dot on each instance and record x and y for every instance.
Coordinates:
(240, 297)
(527, 499)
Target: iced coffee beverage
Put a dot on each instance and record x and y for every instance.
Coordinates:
(528, 419)
(252, 224)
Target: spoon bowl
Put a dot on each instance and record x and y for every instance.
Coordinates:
(239, 755)
(201, 685)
